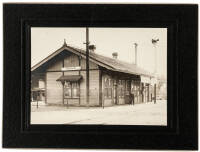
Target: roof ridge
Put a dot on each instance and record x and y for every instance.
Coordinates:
(115, 60)
(115, 64)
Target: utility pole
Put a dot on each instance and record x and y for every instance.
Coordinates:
(154, 42)
(87, 66)
(135, 53)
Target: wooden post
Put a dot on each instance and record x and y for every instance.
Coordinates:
(135, 53)
(79, 72)
(148, 93)
(142, 92)
(79, 94)
(63, 83)
(154, 93)
(87, 66)
(37, 98)
(100, 88)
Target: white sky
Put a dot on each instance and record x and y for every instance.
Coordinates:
(45, 41)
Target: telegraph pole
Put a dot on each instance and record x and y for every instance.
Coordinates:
(87, 66)
(154, 42)
(135, 53)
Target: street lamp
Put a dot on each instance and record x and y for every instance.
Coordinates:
(154, 42)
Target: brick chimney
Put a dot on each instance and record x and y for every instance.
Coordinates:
(115, 55)
(92, 48)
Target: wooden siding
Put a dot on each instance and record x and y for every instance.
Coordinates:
(71, 73)
(56, 66)
(94, 88)
(71, 60)
(91, 65)
(136, 92)
(121, 101)
(106, 102)
(54, 88)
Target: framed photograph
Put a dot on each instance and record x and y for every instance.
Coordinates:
(103, 76)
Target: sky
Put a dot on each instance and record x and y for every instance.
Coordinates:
(45, 41)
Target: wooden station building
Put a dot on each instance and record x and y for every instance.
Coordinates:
(111, 81)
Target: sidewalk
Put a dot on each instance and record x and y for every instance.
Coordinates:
(139, 114)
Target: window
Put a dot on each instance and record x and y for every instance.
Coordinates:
(133, 87)
(71, 89)
(108, 83)
(120, 82)
(121, 88)
(75, 89)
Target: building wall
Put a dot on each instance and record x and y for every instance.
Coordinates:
(94, 88)
(106, 101)
(142, 93)
(54, 89)
(113, 100)
(56, 66)
(73, 60)
(91, 65)
(136, 87)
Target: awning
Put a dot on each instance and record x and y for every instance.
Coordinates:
(70, 78)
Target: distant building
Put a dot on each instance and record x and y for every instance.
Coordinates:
(60, 79)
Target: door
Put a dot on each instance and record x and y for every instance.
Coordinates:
(115, 94)
(127, 92)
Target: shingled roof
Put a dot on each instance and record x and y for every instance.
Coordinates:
(106, 62)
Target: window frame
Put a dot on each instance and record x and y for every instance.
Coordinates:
(71, 87)
(108, 88)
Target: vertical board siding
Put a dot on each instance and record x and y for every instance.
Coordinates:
(71, 73)
(71, 102)
(54, 88)
(106, 102)
(91, 64)
(121, 101)
(71, 61)
(56, 66)
(94, 88)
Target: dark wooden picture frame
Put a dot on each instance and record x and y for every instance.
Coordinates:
(182, 129)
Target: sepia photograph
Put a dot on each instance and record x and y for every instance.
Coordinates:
(98, 75)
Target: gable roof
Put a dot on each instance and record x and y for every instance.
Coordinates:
(106, 62)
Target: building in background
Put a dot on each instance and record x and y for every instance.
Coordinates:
(60, 79)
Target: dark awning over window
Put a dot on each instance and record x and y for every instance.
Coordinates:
(70, 78)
